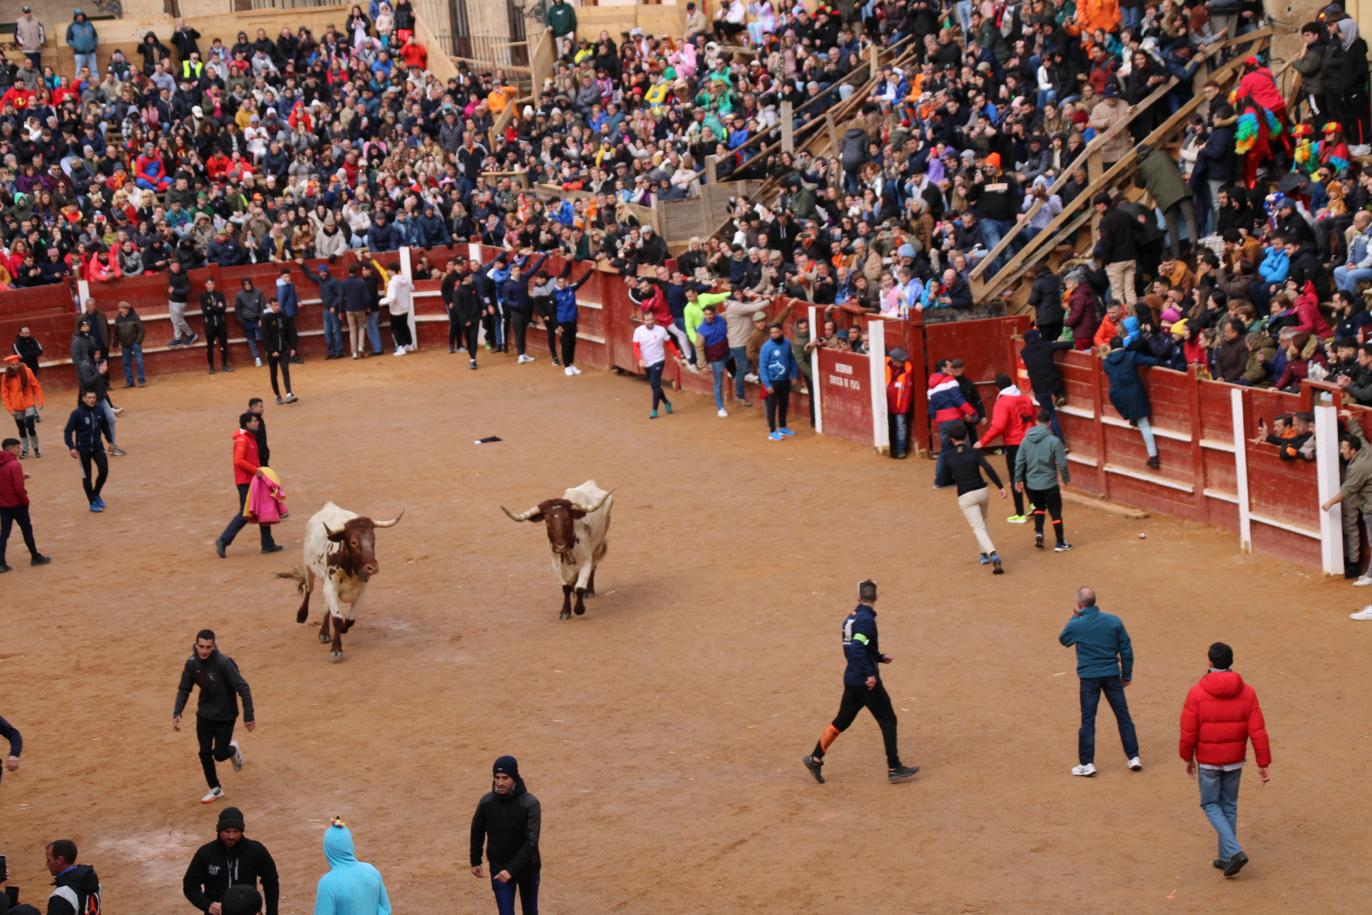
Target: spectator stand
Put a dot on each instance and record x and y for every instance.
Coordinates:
(1063, 228)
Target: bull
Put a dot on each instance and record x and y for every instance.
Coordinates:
(340, 551)
(577, 525)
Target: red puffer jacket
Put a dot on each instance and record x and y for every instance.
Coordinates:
(1220, 716)
(12, 492)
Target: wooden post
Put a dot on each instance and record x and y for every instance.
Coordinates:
(788, 133)
(711, 178)
(833, 131)
(875, 66)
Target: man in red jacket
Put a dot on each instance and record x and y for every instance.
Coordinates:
(1011, 417)
(246, 463)
(14, 504)
(1220, 716)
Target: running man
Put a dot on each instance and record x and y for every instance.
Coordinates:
(862, 688)
(962, 466)
(651, 343)
(220, 686)
(85, 426)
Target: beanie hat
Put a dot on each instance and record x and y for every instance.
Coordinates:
(230, 818)
(1171, 315)
(506, 765)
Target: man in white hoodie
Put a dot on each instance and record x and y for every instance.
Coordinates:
(399, 299)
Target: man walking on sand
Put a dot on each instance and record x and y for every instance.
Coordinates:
(14, 504)
(220, 686)
(1040, 465)
(507, 822)
(862, 688)
(246, 463)
(1220, 716)
(1105, 664)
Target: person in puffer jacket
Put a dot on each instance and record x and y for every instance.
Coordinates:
(1011, 417)
(1220, 717)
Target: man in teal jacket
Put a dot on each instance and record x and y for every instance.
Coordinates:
(1105, 664)
(562, 23)
(776, 369)
(1040, 462)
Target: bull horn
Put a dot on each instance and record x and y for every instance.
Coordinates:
(523, 516)
(596, 507)
(390, 523)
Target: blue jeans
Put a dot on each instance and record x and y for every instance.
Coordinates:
(717, 370)
(238, 522)
(1113, 687)
(374, 332)
(86, 60)
(333, 333)
(992, 231)
(1131, 16)
(528, 894)
(741, 367)
(690, 353)
(1150, 441)
(253, 331)
(1219, 798)
(654, 373)
(963, 8)
(1347, 278)
(133, 354)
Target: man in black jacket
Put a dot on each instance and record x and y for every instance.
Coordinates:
(1045, 297)
(230, 860)
(1117, 248)
(82, 434)
(214, 307)
(76, 887)
(277, 343)
(1045, 380)
(220, 686)
(507, 822)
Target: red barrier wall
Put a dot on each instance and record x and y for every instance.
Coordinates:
(845, 397)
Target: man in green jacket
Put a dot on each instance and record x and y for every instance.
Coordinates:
(1039, 464)
(1158, 173)
(562, 23)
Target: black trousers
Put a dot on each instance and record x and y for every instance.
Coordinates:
(1050, 501)
(400, 330)
(1050, 332)
(470, 334)
(778, 401)
(283, 362)
(218, 333)
(519, 321)
(102, 466)
(1010, 452)
(878, 702)
(25, 423)
(8, 518)
(568, 341)
(454, 332)
(214, 737)
(550, 324)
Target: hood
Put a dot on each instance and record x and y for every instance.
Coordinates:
(7, 459)
(338, 845)
(1116, 356)
(1222, 684)
(855, 133)
(1037, 432)
(81, 877)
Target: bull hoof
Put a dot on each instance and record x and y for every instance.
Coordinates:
(324, 639)
(579, 611)
(335, 656)
(302, 615)
(564, 615)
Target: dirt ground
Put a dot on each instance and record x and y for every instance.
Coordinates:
(662, 731)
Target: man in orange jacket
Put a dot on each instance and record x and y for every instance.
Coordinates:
(1220, 717)
(900, 391)
(245, 466)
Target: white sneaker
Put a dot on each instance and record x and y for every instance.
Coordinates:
(692, 368)
(575, 370)
(722, 413)
(1085, 771)
(410, 347)
(1136, 764)
(1364, 614)
(751, 376)
(568, 371)
(212, 795)
(526, 358)
(1363, 582)
(399, 351)
(237, 756)
(1362, 149)
(257, 362)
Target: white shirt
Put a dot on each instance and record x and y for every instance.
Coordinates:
(651, 343)
(399, 294)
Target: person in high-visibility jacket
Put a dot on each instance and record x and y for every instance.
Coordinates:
(900, 388)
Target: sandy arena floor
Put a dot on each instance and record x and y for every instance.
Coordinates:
(663, 731)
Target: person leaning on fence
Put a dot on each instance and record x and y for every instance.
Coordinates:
(900, 395)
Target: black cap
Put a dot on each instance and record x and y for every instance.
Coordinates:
(230, 818)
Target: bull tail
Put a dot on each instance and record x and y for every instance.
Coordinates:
(297, 575)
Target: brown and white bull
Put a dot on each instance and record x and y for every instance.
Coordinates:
(578, 524)
(340, 551)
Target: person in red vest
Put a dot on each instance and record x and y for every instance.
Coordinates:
(900, 395)
(1011, 418)
(1220, 717)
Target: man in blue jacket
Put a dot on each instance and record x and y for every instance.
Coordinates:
(1105, 664)
(776, 369)
(862, 688)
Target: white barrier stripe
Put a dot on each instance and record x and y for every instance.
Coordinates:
(1215, 445)
(1075, 458)
(1221, 496)
(1159, 432)
(1284, 525)
(1149, 478)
